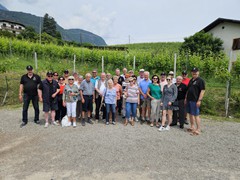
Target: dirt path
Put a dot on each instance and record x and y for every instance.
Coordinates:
(116, 152)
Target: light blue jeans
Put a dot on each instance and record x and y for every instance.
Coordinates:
(131, 109)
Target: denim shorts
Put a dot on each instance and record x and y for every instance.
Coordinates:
(192, 108)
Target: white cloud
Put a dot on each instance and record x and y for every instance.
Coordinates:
(91, 18)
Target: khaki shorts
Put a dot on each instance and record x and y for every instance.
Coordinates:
(145, 103)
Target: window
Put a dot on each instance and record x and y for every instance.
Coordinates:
(19, 27)
(12, 26)
(236, 44)
(4, 25)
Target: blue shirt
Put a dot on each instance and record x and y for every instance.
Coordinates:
(144, 86)
(110, 96)
(93, 80)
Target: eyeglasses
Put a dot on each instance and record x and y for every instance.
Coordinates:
(168, 79)
(71, 79)
(130, 81)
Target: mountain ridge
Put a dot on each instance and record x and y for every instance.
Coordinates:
(75, 34)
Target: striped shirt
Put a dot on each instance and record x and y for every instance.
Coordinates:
(132, 94)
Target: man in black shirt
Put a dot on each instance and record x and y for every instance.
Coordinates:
(48, 90)
(180, 113)
(28, 92)
(195, 93)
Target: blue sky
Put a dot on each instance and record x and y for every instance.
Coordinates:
(142, 20)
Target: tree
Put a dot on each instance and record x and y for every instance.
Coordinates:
(202, 43)
(29, 33)
(49, 26)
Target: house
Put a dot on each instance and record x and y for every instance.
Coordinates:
(13, 27)
(229, 31)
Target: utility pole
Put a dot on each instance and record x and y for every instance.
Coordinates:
(129, 39)
(40, 31)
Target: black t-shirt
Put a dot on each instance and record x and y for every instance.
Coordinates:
(30, 85)
(51, 91)
(182, 90)
(195, 86)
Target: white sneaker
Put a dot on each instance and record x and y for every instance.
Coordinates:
(167, 128)
(46, 125)
(74, 124)
(136, 119)
(162, 128)
(55, 123)
(69, 124)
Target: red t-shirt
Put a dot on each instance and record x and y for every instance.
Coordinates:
(186, 81)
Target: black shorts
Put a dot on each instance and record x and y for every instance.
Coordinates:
(50, 107)
(88, 104)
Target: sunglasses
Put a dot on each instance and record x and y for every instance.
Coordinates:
(130, 81)
(71, 79)
(155, 78)
(49, 76)
(168, 79)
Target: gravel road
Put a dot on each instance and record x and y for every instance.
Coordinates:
(116, 152)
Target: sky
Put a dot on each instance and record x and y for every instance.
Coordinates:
(134, 21)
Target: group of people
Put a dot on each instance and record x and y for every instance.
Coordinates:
(159, 100)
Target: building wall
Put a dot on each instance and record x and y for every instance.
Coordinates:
(11, 27)
(227, 32)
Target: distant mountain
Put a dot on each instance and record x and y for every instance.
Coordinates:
(77, 35)
(3, 8)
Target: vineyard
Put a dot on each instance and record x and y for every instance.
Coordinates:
(154, 57)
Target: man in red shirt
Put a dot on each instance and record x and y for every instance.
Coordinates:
(185, 78)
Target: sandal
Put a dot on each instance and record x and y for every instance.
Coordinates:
(126, 122)
(190, 130)
(195, 133)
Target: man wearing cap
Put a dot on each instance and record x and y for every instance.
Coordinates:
(48, 91)
(194, 96)
(185, 79)
(141, 76)
(28, 92)
(163, 80)
(66, 75)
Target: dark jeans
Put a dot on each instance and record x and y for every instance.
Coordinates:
(79, 108)
(98, 104)
(110, 107)
(179, 113)
(26, 102)
(61, 112)
(119, 105)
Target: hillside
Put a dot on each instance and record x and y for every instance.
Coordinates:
(67, 34)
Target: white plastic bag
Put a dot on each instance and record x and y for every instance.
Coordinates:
(65, 122)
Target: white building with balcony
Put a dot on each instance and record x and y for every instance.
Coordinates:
(10, 26)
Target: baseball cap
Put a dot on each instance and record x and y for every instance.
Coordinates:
(163, 74)
(141, 70)
(184, 72)
(66, 71)
(171, 72)
(194, 69)
(29, 68)
(49, 73)
(70, 77)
